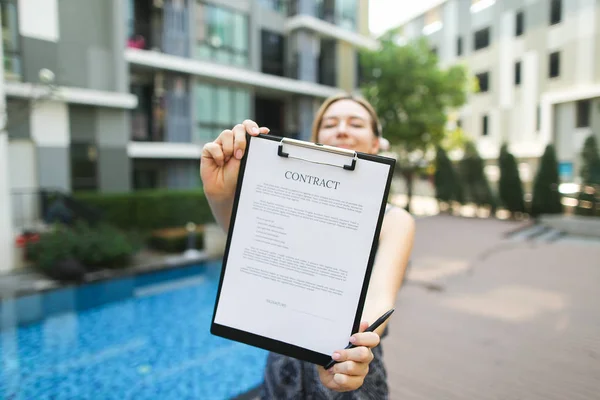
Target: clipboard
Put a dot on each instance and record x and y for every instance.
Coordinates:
(301, 151)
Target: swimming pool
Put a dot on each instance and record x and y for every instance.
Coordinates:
(153, 343)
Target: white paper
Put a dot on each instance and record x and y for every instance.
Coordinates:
(300, 249)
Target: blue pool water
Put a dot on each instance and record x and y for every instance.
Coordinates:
(155, 344)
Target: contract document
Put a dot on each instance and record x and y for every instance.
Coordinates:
(301, 246)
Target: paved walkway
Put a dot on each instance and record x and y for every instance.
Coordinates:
(483, 316)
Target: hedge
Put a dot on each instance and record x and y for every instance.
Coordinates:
(150, 209)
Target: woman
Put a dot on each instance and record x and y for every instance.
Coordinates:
(347, 122)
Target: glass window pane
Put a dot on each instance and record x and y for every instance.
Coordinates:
(227, 31)
(204, 99)
(223, 112)
(203, 52)
(223, 56)
(240, 59)
(240, 26)
(241, 104)
(200, 23)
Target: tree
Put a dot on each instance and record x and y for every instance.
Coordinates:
(477, 187)
(412, 95)
(589, 198)
(546, 197)
(510, 189)
(447, 182)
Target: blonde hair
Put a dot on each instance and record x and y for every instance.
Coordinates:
(375, 125)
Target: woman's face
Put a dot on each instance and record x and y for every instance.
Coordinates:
(347, 124)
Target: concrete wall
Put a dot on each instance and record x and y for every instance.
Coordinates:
(82, 42)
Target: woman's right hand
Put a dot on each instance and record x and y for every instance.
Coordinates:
(220, 162)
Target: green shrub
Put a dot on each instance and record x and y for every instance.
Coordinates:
(101, 246)
(151, 209)
(174, 240)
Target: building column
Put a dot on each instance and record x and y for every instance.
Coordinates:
(305, 117)
(7, 237)
(50, 132)
(112, 136)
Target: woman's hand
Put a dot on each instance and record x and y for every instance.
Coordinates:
(353, 364)
(220, 161)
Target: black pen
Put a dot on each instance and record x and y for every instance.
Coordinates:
(371, 328)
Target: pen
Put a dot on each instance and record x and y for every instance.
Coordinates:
(371, 328)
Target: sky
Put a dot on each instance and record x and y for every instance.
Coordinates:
(385, 14)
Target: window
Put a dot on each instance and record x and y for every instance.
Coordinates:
(518, 73)
(484, 126)
(459, 47)
(272, 53)
(554, 67)
(84, 174)
(338, 12)
(10, 39)
(346, 14)
(482, 38)
(221, 35)
(218, 108)
(280, 6)
(555, 11)
(483, 80)
(520, 23)
(583, 113)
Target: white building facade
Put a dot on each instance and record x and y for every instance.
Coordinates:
(538, 67)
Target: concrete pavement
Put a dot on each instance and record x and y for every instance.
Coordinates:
(483, 316)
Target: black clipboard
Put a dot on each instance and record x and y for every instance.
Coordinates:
(283, 150)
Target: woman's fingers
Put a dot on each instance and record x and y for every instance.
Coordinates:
(239, 141)
(225, 139)
(348, 382)
(351, 368)
(253, 129)
(215, 152)
(360, 354)
(233, 142)
(369, 339)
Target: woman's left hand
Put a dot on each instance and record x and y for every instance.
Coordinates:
(352, 364)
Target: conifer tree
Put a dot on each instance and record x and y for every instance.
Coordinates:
(510, 189)
(589, 197)
(447, 183)
(546, 197)
(476, 186)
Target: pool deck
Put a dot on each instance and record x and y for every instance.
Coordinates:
(486, 316)
(27, 281)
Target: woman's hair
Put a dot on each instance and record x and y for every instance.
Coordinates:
(375, 125)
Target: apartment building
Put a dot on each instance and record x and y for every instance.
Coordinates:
(140, 85)
(198, 67)
(119, 95)
(538, 67)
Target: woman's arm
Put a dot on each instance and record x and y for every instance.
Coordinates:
(395, 245)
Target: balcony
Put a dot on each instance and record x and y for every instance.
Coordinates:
(163, 28)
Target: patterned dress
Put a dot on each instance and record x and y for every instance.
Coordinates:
(288, 378)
